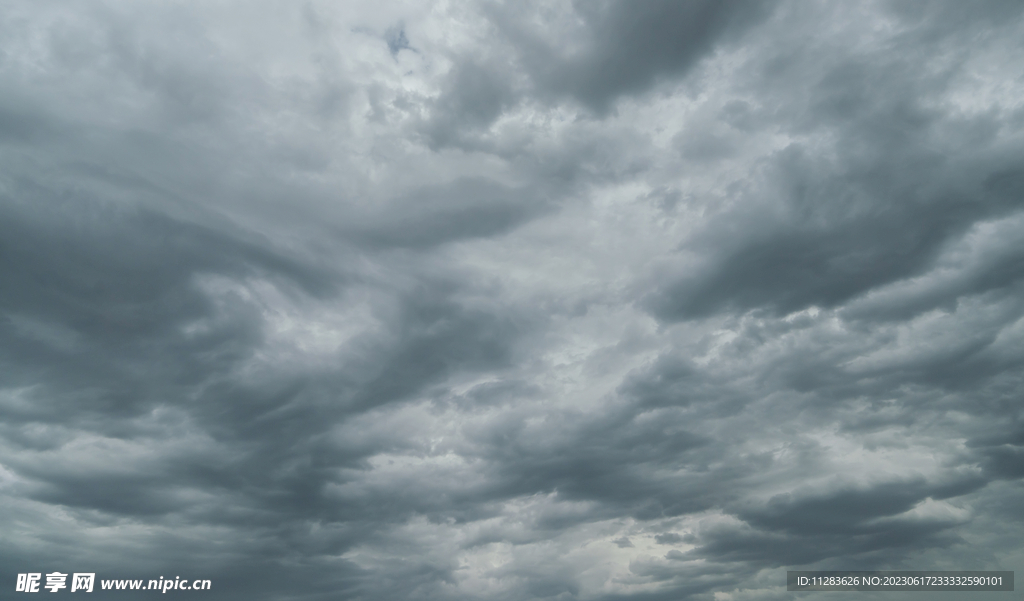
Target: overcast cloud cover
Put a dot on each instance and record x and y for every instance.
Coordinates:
(606, 300)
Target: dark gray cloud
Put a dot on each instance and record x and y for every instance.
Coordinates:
(464, 209)
(897, 173)
(512, 301)
(621, 49)
(631, 48)
(396, 39)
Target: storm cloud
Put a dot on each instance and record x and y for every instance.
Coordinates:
(510, 300)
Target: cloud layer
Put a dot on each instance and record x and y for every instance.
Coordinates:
(510, 301)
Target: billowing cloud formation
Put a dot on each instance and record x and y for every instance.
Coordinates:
(597, 300)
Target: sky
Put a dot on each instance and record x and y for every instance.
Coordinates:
(457, 301)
